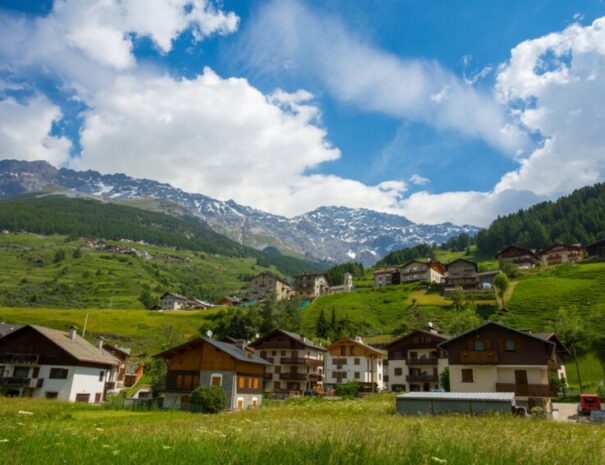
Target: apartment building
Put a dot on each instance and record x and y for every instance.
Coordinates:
(353, 360)
(431, 271)
(266, 284)
(296, 362)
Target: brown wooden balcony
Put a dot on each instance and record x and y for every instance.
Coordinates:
(293, 376)
(19, 359)
(13, 382)
(485, 357)
(528, 390)
(422, 378)
(300, 361)
(315, 377)
(339, 361)
(422, 361)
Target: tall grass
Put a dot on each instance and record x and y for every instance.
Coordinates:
(300, 432)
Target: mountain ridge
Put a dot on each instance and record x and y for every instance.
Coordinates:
(328, 233)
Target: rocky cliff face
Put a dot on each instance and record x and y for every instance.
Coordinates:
(338, 234)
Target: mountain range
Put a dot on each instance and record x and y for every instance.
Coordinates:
(336, 234)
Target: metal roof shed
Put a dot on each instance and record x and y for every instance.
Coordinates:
(435, 403)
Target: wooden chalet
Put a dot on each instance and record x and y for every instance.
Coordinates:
(311, 285)
(462, 273)
(596, 249)
(523, 258)
(562, 253)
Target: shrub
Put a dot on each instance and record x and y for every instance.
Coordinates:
(350, 389)
(209, 399)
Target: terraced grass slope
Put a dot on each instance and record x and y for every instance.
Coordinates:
(31, 276)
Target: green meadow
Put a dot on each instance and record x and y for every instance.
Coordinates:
(301, 431)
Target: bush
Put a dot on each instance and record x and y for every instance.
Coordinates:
(209, 399)
(350, 389)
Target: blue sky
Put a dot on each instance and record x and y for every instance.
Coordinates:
(416, 108)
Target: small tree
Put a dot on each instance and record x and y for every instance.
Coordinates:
(444, 380)
(321, 326)
(511, 269)
(501, 284)
(209, 399)
(77, 253)
(59, 256)
(457, 299)
(349, 389)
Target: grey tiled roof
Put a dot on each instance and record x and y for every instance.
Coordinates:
(501, 396)
(236, 351)
(6, 328)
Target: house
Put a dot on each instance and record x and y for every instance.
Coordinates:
(495, 358)
(173, 301)
(353, 360)
(197, 304)
(437, 403)
(387, 277)
(486, 278)
(346, 286)
(562, 253)
(122, 354)
(431, 271)
(596, 249)
(207, 362)
(311, 285)
(415, 362)
(266, 284)
(462, 273)
(6, 328)
(230, 301)
(523, 258)
(41, 362)
(296, 362)
(133, 373)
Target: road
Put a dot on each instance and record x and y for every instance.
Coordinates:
(565, 411)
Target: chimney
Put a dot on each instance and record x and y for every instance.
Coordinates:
(99, 343)
(359, 339)
(73, 332)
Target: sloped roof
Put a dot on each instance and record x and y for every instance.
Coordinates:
(266, 273)
(523, 250)
(493, 323)
(175, 295)
(361, 343)
(558, 244)
(232, 350)
(6, 328)
(421, 331)
(297, 337)
(79, 348)
(493, 396)
(447, 265)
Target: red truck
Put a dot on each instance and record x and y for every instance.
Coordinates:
(588, 403)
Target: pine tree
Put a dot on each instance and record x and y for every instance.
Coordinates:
(321, 326)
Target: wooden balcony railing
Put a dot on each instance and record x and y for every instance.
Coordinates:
(486, 357)
(422, 378)
(422, 361)
(12, 382)
(528, 390)
(300, 361)
(19, 359)
(293, 376)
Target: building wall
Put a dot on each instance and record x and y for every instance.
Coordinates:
(274, 356)
(559, 255)
(370, 370)
(382, 279)
(264, 285)
(171, 303)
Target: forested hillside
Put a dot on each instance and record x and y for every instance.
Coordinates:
(76, 217)
(578, 217)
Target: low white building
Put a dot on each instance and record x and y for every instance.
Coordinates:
(46, 363)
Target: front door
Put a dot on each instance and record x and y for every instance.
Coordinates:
(521, 377)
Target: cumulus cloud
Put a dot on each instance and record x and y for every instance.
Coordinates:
(25, 131)
(287, 35)
(418, 180)
(224, 138)
(81, 39)
(557, 82)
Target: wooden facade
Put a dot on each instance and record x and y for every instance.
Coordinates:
(311, 285)
(523, 258)
(462, 273)
(562, 253)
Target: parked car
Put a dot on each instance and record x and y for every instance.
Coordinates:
(311, 393)
(588, 403)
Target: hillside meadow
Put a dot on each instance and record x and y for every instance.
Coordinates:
(301, 431)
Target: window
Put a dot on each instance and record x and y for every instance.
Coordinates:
(356, 361)
(398, 372)
(343, 351)
(274, 352)
(58, 373)
(98, 397)
(263, 353)
(21, 372)
(283, 353)
(351, 350)
(240, 403)
(256, 383)
(51, 394)
(467, 375)
(356, 375)
(254, 402)
(479, 345)
(242, 382)
(82, 397)
(277, 385)
(101, 375)
(216, 380)
(386, 378)
(510, 346)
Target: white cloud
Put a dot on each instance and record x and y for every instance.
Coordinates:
(99, 33)
(419, 180)
(558, 82)
(224, 138)
(24, 131)
(287, 35)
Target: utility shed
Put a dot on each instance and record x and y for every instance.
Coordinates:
(435, 403)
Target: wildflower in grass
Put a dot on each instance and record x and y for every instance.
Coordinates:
(116, 452)
(438, 460)
(99, 429)
(25, 412)
(106, 446)
(3, 440)
(166, 447)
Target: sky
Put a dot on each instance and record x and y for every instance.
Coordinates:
(439, 111)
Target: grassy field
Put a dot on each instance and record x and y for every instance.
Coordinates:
(29, 275)
(299, 432)
(146, 332)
